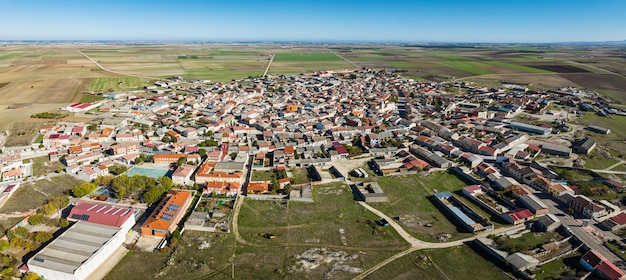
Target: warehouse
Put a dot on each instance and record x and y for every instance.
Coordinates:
(530, 128)
(77, 252)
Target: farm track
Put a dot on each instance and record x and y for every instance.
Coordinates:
(116, 72)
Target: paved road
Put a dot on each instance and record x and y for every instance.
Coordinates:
(581, 232)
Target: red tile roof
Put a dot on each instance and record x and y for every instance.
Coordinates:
(520, 214)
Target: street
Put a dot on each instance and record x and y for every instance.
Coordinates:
(576, 226)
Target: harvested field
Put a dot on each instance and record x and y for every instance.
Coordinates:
(8, 116)
(558, 68)
(43, 91)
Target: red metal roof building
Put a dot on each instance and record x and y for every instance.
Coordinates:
(103, 215)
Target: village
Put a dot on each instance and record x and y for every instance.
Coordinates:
(180, 154)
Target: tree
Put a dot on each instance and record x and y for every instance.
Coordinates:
(120, 185)
(104, 180)
(63, 223)
(35, 219)
(233, 155)
(22, 231)
(181, 161)
(48, 209)
(84, 189)
(166, 139)
(31, 276)
(4, 244)
(202, 152)
(152, 195)
(43, 236)
(166, 183)
(7, 273)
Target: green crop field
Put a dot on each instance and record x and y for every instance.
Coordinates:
(304, 57)
(116, 83)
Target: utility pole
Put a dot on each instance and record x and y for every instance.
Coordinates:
(233, 270)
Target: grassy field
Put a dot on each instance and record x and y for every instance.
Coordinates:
(615, 139)
(22, 133)
(262, 176)
(137, 265)
(320, 222)
(32, 195)
(43, 166)
(567, 266)
(86, 98)
(298, 228)
(410, 199)
(452, 263)
(596, 161)
(116, 83)
(300, 175)
(188, 261)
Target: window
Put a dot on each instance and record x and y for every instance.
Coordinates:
(38, 259)
(84, 217)
(76, 216)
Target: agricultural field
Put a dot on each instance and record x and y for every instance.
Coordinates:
(297, 62)
(43, 74)
(116, 83)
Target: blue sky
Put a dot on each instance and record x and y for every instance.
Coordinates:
(412, 21)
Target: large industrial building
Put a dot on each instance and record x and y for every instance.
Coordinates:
(99, 231)
(77, 252)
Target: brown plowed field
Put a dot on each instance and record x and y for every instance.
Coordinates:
(558, 68)
(598, 81)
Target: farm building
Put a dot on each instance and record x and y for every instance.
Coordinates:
(530, 128)
(556, 150)
(599, 129)
(369, 192)
(547, 223)
(584, 146)
(470, 220)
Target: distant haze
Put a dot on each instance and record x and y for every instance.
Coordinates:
(530, 21)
